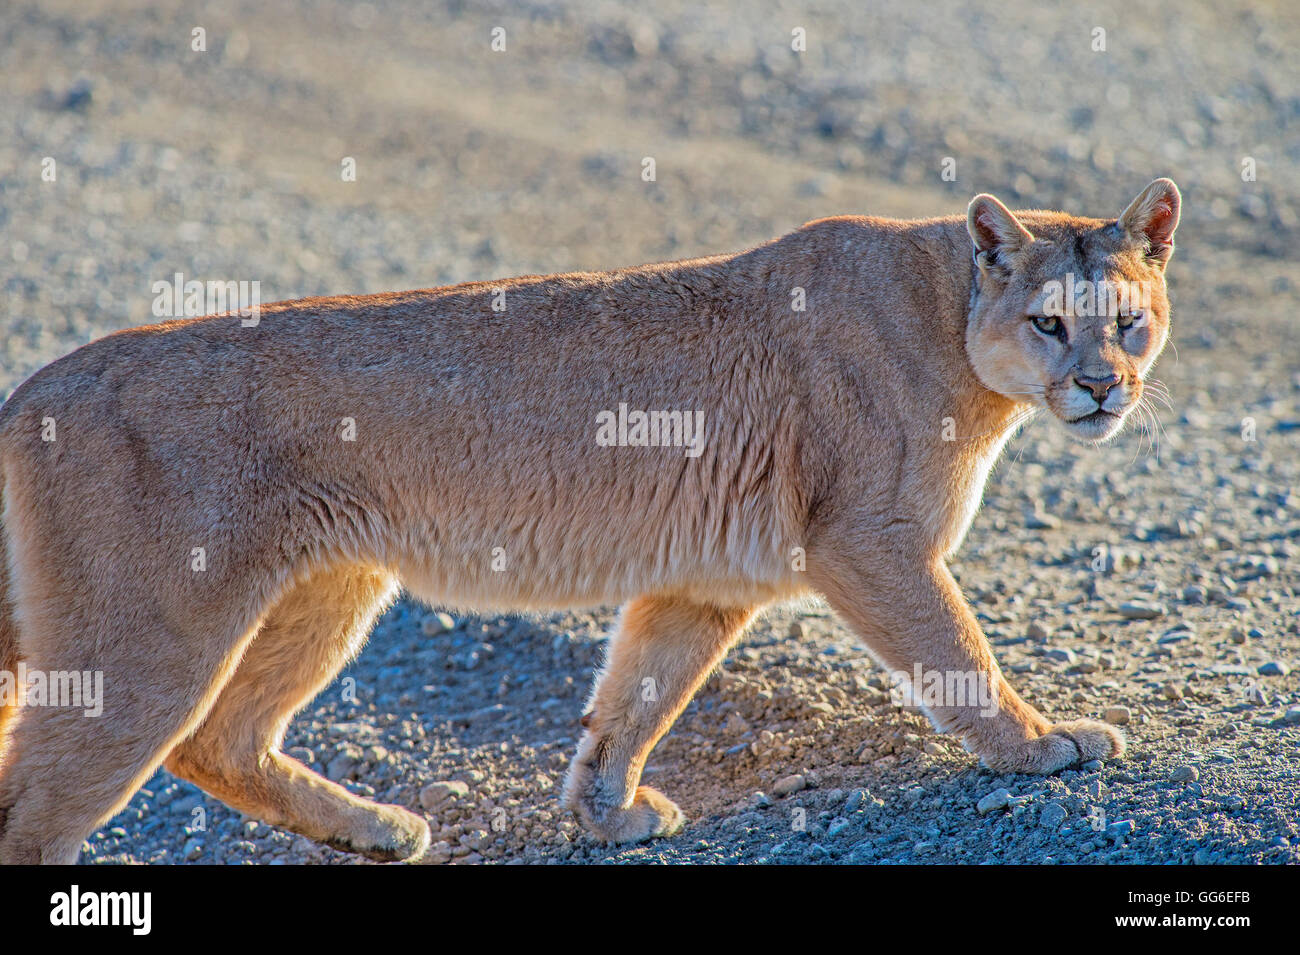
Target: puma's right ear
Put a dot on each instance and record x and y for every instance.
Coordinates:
(1152, 218)
(994, 231)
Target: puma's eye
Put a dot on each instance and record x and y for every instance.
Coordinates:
(1047, 324)
(1130, 319)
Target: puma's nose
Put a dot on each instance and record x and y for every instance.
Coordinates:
(1100, 387)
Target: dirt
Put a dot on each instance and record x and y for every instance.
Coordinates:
(473, 164)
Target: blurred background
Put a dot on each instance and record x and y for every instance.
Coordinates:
(226, 163)
(473, 163)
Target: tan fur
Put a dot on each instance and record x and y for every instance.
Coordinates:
(475, 480)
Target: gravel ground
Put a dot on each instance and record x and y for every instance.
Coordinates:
(1152, 583)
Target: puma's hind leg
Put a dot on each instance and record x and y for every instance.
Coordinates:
(66, 770)
(235, 753)
(663, 650)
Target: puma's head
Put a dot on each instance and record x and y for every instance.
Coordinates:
(1069, 314)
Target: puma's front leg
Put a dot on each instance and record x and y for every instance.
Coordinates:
(910, 612)
(663, 650)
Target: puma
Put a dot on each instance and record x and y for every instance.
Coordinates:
(212, 514)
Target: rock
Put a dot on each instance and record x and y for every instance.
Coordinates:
(789, 785)
(995, 800)
(798, 630)
(1274, 668)
(735, 724)
(1053, 816)
(436, 795)
(1092, 766)
(1185, 774)
(1119, 831)
(1172, 691)
(761, 799)
(193, 850)
(436, 623)
(1292, 715)
(1060, 655)
(78, 98)
(1037, 520)
(341, 767)
(1142, 610)
(1036, 631)
(858, 799)
(836, 827)
(439, 853)
(1117, 715)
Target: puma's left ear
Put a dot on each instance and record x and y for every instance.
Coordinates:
(1152, 217)
(995, 232)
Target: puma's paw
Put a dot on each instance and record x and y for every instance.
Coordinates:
(1071, 743)
(385, 833)
(651, 814)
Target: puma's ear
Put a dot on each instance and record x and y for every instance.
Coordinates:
(1152, 218)
(994, 231)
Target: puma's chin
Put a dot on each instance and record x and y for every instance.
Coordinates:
(1094, 428)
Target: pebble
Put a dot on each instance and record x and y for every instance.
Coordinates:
(1037, 520)
(1185, 774)
(435, 795)
(436, 623)
(789, 785)
(1142, 610)
(1118, 715)
(1119, 831)
(995, 800)
(859, 799)
(1292, 715)
(1053, 816)
(1274, 668)
(1060, 654)
(439, 853)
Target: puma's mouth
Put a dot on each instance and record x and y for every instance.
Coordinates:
(1096, 426)
(1098, 416)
